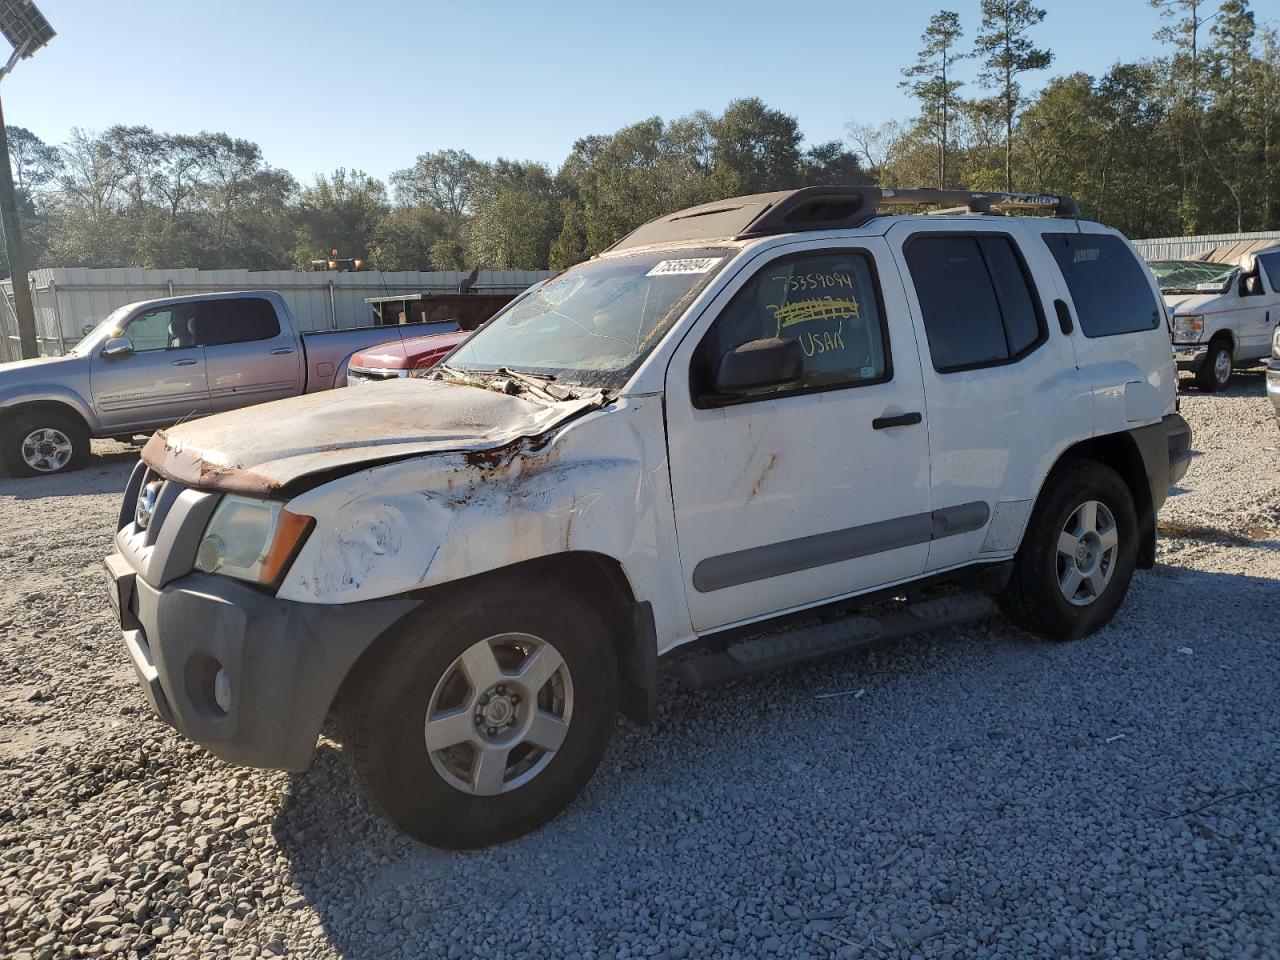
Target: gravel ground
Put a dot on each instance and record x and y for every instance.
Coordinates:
(975, 793)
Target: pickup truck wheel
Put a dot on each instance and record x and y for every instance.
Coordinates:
(480, 721)
(1215, 373)
(1077, 557)
(43, 442)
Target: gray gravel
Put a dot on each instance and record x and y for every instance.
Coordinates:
(988, 795)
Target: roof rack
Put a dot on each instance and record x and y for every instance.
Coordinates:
(823, 208)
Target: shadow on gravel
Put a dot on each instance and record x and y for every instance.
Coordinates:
(1250, 382)
(761, 785)
(106, 473)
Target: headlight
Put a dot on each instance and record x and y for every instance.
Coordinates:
(1188, 328)
(252, 540)
(1275, 344)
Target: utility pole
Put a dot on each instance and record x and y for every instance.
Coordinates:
(22, 306)
(27, 30)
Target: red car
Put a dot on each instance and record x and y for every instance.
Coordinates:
(400, 358)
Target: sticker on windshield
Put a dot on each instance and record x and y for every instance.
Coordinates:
(694, 265)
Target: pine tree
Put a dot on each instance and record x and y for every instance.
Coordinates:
(932, 82)
(1006, 52)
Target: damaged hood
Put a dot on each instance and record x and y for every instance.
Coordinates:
(261, 449)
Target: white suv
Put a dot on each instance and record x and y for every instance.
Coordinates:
(737, 415)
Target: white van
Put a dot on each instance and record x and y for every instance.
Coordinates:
(1223, 315)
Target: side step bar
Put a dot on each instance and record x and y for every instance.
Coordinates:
(767, 651)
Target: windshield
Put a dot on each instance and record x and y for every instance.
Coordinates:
(593, 324)
(103, 332)
(1191, 276)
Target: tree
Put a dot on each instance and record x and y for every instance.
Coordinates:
(756, 149)
(831, 163)
(35, 163)
(443, 181)
(1229, 123)
(403, 239)
(1006, 52)
(343, 211)
(931, 80)
(515, 217)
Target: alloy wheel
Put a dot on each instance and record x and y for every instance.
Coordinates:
(46, 450)
(498, 715)
(1087, 549)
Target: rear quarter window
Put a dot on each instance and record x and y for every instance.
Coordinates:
(1108, 286)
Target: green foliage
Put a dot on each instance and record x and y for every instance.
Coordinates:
(342, 211)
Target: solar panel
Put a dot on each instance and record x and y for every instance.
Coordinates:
(24, 26)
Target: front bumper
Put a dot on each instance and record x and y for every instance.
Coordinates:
(279, 663)
(1190, 356)
(1273, 385)
(244, 674)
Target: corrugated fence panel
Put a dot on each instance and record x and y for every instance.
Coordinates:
(69, 301)
(1176, 248)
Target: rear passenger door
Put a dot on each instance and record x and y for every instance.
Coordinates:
(1001, 387)
(249, 356)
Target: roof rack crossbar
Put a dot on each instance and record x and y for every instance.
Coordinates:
(824, 208)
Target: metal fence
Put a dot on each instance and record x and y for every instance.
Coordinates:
(1178, 248)
(70, 300)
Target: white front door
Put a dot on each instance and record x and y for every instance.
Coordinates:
(814, 490)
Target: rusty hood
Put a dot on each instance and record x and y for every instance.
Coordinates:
(261, 450)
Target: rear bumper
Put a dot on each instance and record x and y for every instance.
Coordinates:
(244, 674)
(1190, 356)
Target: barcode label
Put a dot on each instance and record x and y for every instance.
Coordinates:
(696, 265)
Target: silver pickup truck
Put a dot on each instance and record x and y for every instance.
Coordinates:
(157, 362)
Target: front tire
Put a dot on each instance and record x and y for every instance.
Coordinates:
(1215, 373)
(42, 442)
(1073, 569)
(479, 720)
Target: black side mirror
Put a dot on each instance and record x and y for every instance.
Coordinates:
(758, 365)
(1250, 285)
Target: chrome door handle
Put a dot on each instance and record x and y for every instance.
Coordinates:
(900, 420)
(182, 363)
(282, 351)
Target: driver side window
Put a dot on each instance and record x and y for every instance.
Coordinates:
(828, 302)
(165, 328)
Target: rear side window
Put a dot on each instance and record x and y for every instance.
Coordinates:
(239, 320)
(976, 300)
(1110, 289)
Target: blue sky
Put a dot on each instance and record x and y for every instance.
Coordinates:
(370, 84)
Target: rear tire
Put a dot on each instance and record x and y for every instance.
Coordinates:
(43, 442)
(1215, 373)
(426, 717)
(1073, 569)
